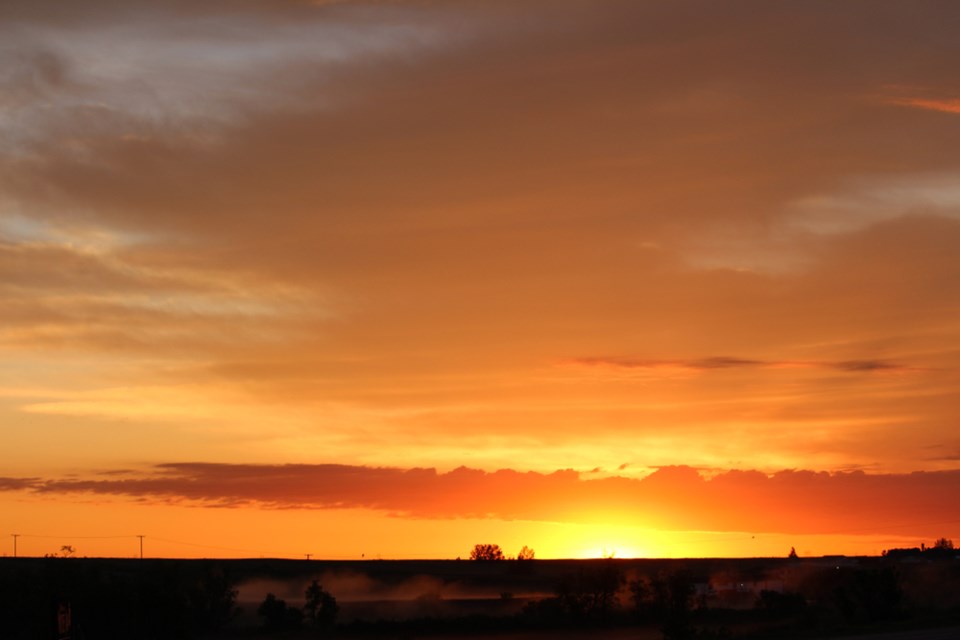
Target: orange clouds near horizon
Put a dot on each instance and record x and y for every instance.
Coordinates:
(349, 253)
(654, 511)
(670, 498)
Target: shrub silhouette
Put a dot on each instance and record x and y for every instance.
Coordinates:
(486, 552)
(943, 543)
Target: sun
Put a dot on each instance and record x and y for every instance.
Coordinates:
(582, 541)
(614, 551)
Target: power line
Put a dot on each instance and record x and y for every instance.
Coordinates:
(705, 536)
(30, 535)
(141, 538)
(747, 535)
(211, 546)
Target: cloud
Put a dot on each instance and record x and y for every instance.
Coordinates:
(946, 453)
(727, 362)
(867, 366)
(181, 71)
(788, 501)
(83, 292)
(866, 201)
(19, 484)
(410, 209)
(943, 105)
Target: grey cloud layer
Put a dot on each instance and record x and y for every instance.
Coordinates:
(175, 70)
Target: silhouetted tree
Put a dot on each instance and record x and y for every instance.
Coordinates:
(591, 593)
(868, 595)
(212, 599)
(641, 596)
(321, 607)
(777, 603)
(943, 543)
(526, 553)
(486, 552)
(277, 616)
(673, 594)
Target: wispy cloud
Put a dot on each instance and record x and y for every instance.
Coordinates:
(943, 105)
(727, 362)
(19, 484)
(193, 70)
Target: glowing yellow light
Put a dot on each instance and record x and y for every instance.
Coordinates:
(615, 551)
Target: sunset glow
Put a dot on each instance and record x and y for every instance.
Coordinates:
(386, 280)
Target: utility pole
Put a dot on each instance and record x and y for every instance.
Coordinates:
(141, 545)
(15, 536)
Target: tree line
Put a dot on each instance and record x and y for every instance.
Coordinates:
(486, 552)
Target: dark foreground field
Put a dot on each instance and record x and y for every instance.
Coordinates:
(894, 598)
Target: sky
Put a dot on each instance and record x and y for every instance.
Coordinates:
(389, 279)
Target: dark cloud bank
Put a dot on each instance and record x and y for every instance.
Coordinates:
(790, 501)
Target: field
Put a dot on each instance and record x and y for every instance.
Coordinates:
(904, 598)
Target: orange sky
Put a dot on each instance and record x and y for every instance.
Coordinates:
(393, 278)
